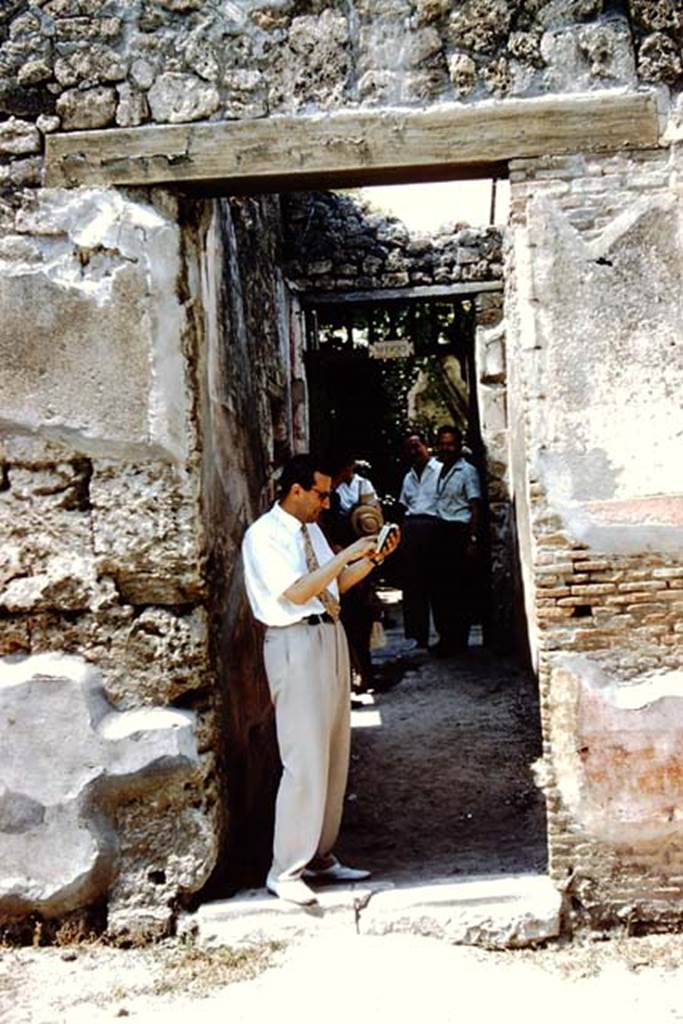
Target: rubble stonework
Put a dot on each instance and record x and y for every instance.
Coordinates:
(94, 65)
(336, 243)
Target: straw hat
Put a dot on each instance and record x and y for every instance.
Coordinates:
(366, 520)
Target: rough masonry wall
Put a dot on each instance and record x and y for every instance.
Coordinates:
(103, 556)
(336, 243)
(594, 318)
(250, 367)
(79, 64)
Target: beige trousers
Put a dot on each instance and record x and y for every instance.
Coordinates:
(310, 680)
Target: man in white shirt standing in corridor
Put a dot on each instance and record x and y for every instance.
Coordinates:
(418, 496)
(293, 582)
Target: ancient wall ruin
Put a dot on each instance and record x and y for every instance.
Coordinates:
(125, 494)
(333, 243)
(103, 546)
(595, 332)
(114, 561)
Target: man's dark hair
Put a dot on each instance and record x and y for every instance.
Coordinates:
(301, 469)
(415, 433)
(448, 429)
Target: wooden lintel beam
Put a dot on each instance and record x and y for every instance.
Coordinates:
(418, 291)
(358, 143)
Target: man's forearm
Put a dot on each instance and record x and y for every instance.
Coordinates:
(353, 574)
(310, 585)
(475, 520)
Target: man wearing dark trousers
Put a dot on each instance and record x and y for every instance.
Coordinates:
(293, 582)
(418, 496)
(458, 508)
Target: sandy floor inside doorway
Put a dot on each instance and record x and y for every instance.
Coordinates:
(440, 779)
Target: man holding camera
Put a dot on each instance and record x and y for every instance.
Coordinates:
(294, 582)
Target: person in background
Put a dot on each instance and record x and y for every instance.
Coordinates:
(418, 497)
(352, 488)
(350, 491)
(458, 508)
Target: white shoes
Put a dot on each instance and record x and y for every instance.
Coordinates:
(294, 890)
(336, 872)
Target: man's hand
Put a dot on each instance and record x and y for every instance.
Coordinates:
(360, 548)
(391, 543)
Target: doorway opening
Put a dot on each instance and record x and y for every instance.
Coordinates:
(379, 330)
(430, 793)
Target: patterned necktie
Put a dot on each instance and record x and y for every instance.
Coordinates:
(330, 604)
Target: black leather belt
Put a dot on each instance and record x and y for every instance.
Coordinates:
(315, 620)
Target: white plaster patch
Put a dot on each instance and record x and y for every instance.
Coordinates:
(600, 336)
(98, 361)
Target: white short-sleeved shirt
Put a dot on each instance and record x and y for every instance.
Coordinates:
(274, 558)
(418, 493)
(350, 494)
(454, 491)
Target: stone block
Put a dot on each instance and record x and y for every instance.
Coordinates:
(18, 138)
(69, 582)
(490, 345)
(506, 913)
(90, 108)
(493, 408)
(175, 98)
(69, 759)
(132, 109)
(145, 525)
(153, 657)
(106, 287)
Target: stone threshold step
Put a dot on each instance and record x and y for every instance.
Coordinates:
(502, 912)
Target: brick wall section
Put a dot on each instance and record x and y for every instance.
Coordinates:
(592, 190)
(627, 612)
(624, 611)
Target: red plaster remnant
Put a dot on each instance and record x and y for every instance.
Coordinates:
(665, 510)
(640, 772)
(629, 766)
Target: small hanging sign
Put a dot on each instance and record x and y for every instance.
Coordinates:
(396, 348)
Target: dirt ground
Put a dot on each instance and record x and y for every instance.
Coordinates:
(440, 780)
(342, 978)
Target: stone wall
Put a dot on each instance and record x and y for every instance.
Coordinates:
(337, 243)
(252, 388)
(148, 403)
(594, 304)
(81, 64)
(103, 548)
